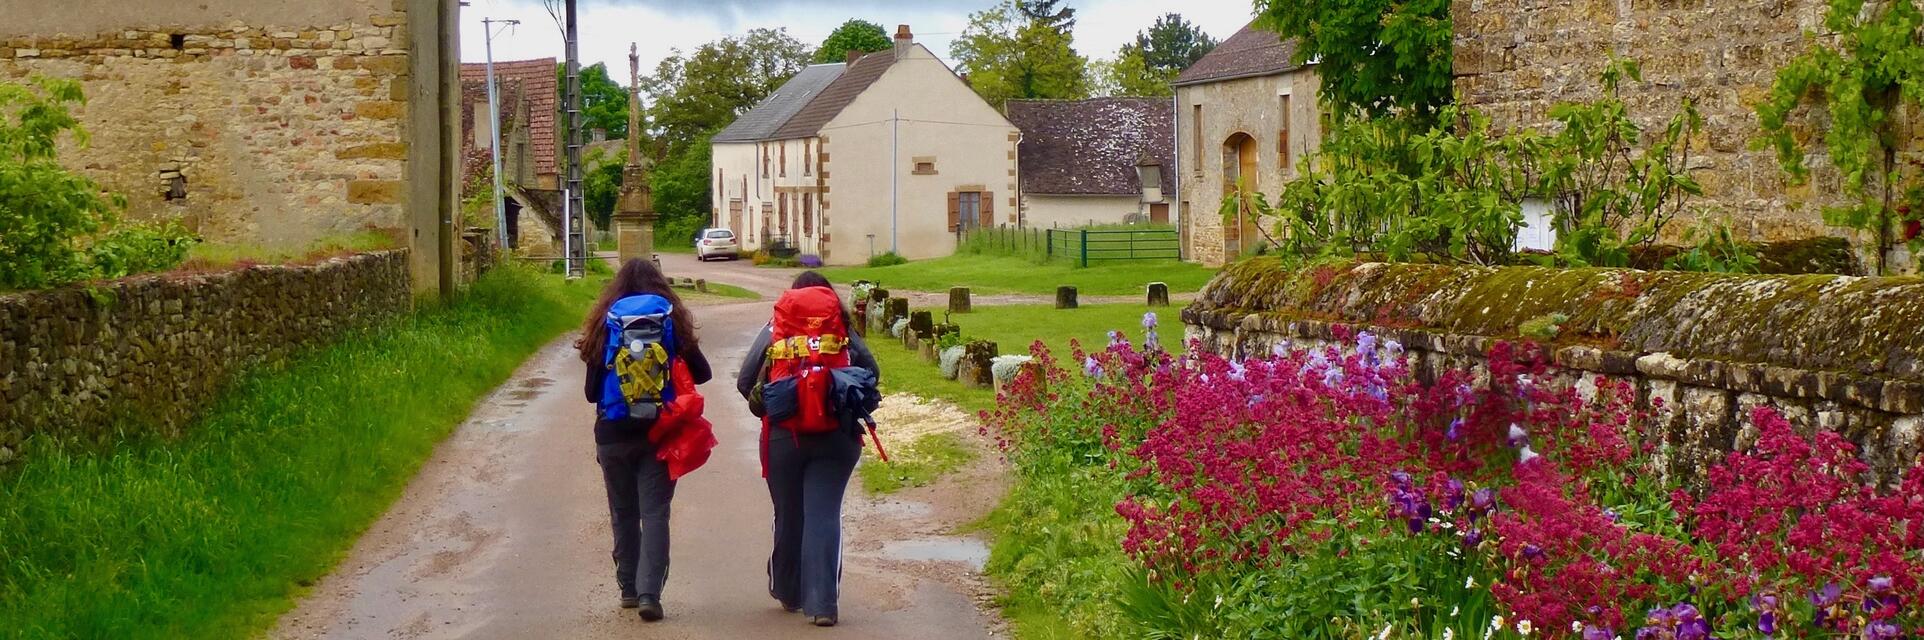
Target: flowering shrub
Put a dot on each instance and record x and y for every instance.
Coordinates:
(1325, 492)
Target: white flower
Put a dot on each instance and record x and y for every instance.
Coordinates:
(1415, 603)
(1219, 601)
(1454, 609)
(1470, 583)
(1496, 621)
(1523, 627)
(1447, 525)
(1384, 634)
(1576, 627)
(1526, 455)
(1449, 634)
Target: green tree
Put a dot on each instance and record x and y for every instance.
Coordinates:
(1006, 55)
(1130, 75)
(681, 189)
(1863, 76)
(1377, 56)
(1172, 44)
(1046, 13)
(44, 208)
(854, 35)
(604, 102)
(601, 185)
(693, 94)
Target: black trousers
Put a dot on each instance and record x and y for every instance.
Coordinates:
(638, 495)
(807, 475)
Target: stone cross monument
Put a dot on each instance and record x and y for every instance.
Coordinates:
(635, 208)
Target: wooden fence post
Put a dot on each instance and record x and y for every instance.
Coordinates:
(958, 299)
(1065, 297)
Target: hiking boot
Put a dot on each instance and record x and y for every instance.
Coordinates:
(822, 621)
(630, 602)
(791, 608)
(650, 608)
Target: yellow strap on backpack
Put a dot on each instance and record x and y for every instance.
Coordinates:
(644, 376)
(798, 347)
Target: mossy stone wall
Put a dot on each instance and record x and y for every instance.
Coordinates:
(1831, 352)
(148, 352)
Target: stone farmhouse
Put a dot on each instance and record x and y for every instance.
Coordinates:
(1097, 161)
(530, 156)
(261, 121)
(1245, 113)
(845, 161)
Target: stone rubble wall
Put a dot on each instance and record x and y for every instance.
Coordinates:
(283, 133)
(1514, 59)
(1687, 342)
(149, 352)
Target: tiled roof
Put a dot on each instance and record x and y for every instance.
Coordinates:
(1091, 147)
(1251, 52)
(861, 73)
(773, 112)
(537, 80)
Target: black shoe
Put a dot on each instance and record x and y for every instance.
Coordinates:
(650, 608)
(822, 621)
(630, 602)
(791, 608)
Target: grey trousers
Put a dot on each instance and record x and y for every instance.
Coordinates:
(806, 478)
(638, 495)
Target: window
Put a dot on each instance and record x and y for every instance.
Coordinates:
(782, 162)
(808, 214)
(924, 167)
(969, 208)
(764, 147)
(1282, 133)
(483, 126)
(1196, 138)
(808, 158)
(1539, 231)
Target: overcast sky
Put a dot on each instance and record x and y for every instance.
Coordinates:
(657, 26)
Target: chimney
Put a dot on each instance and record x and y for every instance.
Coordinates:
(903, 40)
(853, 55)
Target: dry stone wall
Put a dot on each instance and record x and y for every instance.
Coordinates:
(1514, 59)
(1830, 352)
(278, 133)
(148, 352)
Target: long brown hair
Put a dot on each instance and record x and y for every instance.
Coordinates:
(809, 279)
(636, 277)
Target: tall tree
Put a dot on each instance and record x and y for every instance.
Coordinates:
(1007, 55)
(604, 103)
(854, 35)
(1130, 75)
(693, 94)
(1172, 44)
(1046, 13)
(1377, 56)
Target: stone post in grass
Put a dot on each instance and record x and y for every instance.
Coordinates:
(958, 299)
(920, 323)
(898, 308)
(974, 369)
(1158, 294)
(1065, 297)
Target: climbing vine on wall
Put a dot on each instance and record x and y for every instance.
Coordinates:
(1863, 73)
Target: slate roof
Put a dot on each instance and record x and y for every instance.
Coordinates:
(1091, 147)
(1251, 52)
(861, 73)
(537, 82)
(761, 122)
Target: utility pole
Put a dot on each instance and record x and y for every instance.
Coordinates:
(573, 241)
(494, 126)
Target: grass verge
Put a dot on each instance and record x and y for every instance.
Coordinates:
(210, 256)
(212, 535)
(918, 464)
(1013, 328)
(986, 274)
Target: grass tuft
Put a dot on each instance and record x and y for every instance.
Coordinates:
(213, 534)
(917, 465)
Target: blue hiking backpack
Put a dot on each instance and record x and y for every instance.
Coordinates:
(639, 356)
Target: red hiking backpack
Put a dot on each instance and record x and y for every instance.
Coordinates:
(807, 340)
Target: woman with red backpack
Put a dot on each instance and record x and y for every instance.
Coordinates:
(637, 342)
(808, 453)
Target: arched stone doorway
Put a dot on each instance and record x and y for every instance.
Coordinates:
(1240, 177)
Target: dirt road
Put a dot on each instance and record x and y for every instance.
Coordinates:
(504, 532)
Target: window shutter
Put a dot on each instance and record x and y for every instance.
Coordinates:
(988, 209)
(955, 211)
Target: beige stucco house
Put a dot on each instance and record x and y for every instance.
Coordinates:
(1245, 114)
(1096, 161)
(890, 150)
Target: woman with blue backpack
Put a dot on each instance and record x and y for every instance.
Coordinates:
(809, 446)
(636, 338)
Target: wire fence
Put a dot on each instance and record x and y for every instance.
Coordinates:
(1080, 246)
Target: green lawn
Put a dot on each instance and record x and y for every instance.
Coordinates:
(1007, 274)
(917, 463)
(1013, 328)
(213, 534)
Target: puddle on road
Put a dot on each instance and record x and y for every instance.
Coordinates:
(968, 551)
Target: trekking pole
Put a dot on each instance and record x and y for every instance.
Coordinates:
(878, 440)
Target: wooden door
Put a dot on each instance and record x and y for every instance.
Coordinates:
(1159, 213)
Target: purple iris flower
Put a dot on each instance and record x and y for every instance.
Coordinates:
(1827, 596)
(1091, 368)
(1882, 630)
(1377, 392)
(1691, 624)
(1453, 494)
(1649, 633)
(1532, 552)
(1483, 500)
(1279, 350)
(1332, 376)
(1115, 338)
(1767, 622)
(1366, 342)
(1518, 437)
(1464, 394)
(1472, 538)
(1149, 320)
(1881, 585)
(1394, 348)
(1612, 515)
(1401, 478)
(1596, 632)
(1455, 432)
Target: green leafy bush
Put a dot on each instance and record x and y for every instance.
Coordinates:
(1715, 248)
(889, 259)
(131, 248)
(44, 208)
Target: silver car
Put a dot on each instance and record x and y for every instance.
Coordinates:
(716, 243)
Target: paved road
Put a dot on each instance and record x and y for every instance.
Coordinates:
(503, 534)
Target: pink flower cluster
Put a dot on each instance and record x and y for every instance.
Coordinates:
(1243, 465)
